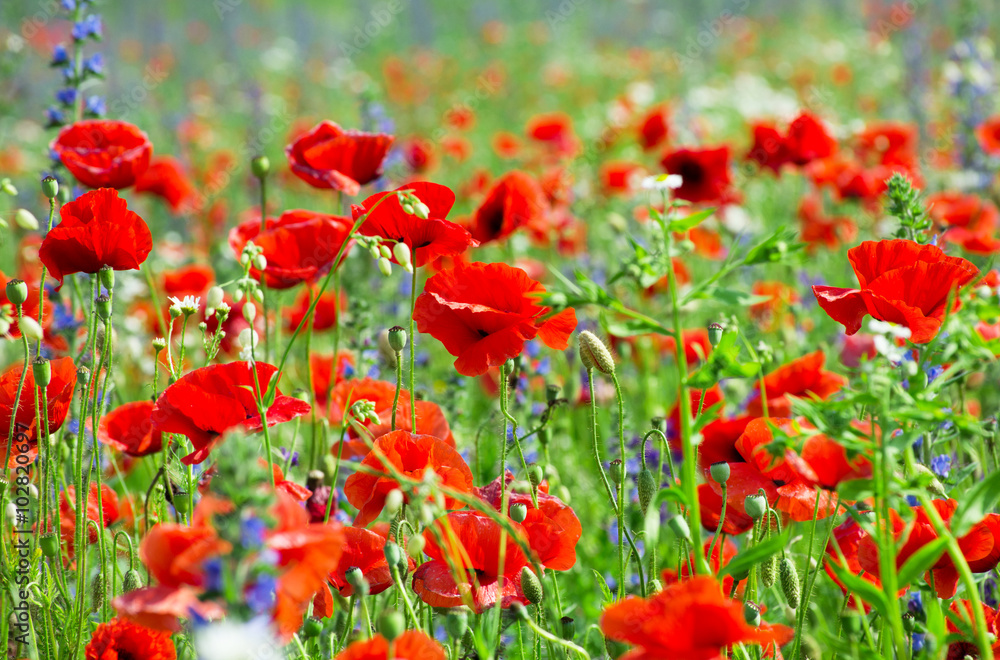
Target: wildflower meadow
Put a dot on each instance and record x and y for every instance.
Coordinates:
(430, 330)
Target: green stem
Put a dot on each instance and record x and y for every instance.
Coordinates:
(413, 357)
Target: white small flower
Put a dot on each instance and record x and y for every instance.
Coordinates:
(187, 305)
(662, 182)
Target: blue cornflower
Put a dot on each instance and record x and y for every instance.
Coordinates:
(916, 603)
(252, 530)
(918, 642)
(54, 116)
(260, 596)
(941, 465)
(212, 569)
(934, 372)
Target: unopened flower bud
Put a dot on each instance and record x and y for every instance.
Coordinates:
(7, 187)
(531, 585)
(789, 578)
(98, 592)
(25, 219)
(17, 292)
(260, 166)
(518, 512)
(535, 474)
(50, 546)
(391, 624)
(313, 628)
(30, 329)
(720, 472)
(415, 546)
(131, 581)
(384, 251)
(457, 622)
(421, 210)
(260, 262)
(238, 296)
(385, 266)
(50, 187)
(402, 253)
(214, 297)
(647, 489)
(397, 338)
(250, 313)
(594, 354)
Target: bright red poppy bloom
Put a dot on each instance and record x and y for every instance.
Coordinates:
(364, 549)
(845, 541)
(120, 639)
(166, 179)
(769, 149)
(324, 315)
(411, 645)
(411, 455)
(330, 157)
(60, 396)
(96, 229)
(477, 558)
(818, 229)
(427, 238)
(967, 647)
(206, 403)
(800, 378)
(988, 134)
(555, 130)
(901, 282)
(484, 314)
(299, 246)
(102, 153)
(105, 511)
(419, 154)
(620, 177)
(687, 620)
(325, 376)
(654, 128)
(807, 140)
(516, 200)
(129, 429)
(704, 174)
(552, 528)
(970, 221)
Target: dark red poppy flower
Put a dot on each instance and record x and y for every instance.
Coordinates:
(654, 128)
(59, 393)
(419, 154)
(427, 238)
(769, 149)
(552, 528)
(966, 646)
(842, 550)
(807, 140)
(330, 157)
(411, 455)
(167, 179)
(129, 429)
(704, 174)
(120, 639)
(818, 229)
(207, 402)
(364, 549)
(801, 378)
(102, 153)
(901, 282)
(988, 134)
(299, 246)
(97, 229)
(688, 620)
(484, 314)
(555, 130)
(473, 549)
(411, 644)
(516, 200)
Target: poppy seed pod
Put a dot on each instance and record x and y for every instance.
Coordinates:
(312, 628)
(17, 292)
(49, 544)
(393, 553)
(50, 187)
(567, 627)
(107, 277)
(755, 506)
(41, 369)
(720, 472)
(518, 512)
(751, 613)
(531, 585)
(260, 166)
(715, 331)
(615, 467)
(102, 305)
(551, 392)
(789, 578)
(594, 354)
(397, 338)
(391, 624)
(357, 580)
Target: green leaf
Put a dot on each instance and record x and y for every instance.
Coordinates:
(863, 589)
(921, 561)
(779, 247)
(603, 584)
(750, 557)
(690, 221)
(730, 297)
(628, 327)
(975, 504)
(855, 489)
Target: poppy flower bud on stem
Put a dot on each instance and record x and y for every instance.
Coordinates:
(50, 547)
(393, 501)
(131, 581)
(678, 525)
(415, 546)
(594, 354)
(402, 253)
(260, 166)
(647, 489)
(397, 338)
(531, 586)
(385, 266)
(789, 578)
(456, 623)
(391, 624)
(50, 187)
(17, 291)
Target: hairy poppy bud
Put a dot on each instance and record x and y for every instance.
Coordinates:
(518, 512)
(415, 546)
(647, 489)
(594, 354)
(393, 554)
(102, 305)
(50, 187)
(768, 570)
(385, 266)
(107, 276)
(131, 581)
(531, 585)
(357, 580)
(567, 627)
(715, 331)
(312, 628)
(789, 578)
(755, 506)
(17, 292)
(391, 624)
(50, 547)
(457, 622)
(41, 369)
(25, 219)
(680, 528)
(397, 338)
(751, 613)
(98, 592)
(30, 329)
(535, 474)
(260, 166)
(720, 472)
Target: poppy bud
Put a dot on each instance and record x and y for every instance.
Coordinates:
(551, 392)
(751, 613)
(181, 502)
(647, 489)
(678, 525)
(594, 354)
(402, 253)
(25, 219)
(50, 547)
(535, 474)
(393, 553)
(519, 611)
(312, 628)
(567, 627)
(457, 622)
(391, 624)
(789, 578)
(31, 329)
(102, 304)
(107, 277)
(7, 187)
(415, 546)
(17, 292)
(42, 371)
(50, 187)
(98, 592)
(131, 581)
(715, 331)
(518, 512)
(755, 506)
(658, 423)
(260, 166)
(531, 585)
(385, 266)
(357, 580)
(768, 570)
(260, 262)
(720, 472)
(397, 338)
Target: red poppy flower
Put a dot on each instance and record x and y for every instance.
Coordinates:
(722, 554)
(299, 246)
(801, 378)
(207, 402)
(166, 179)
(970, 221)
(620, 177)
(506, 145)
(769, 149)
(515, 200)
(129, 429)
(845, 541)
(427, 238)
(484, 313)
(411, 644)
(411, 455)
(297, 491)
(473, 549)
(330, 157)
(364, 549)
(325, 313)
(555, 130)
(120, 639)
(688, 620)
(772, 312)
(901, 282)
(818, 229)
(967, 648)
(60, 395)
(102, 153)
(95, 230)
(704, 174)
(552, 528)
(888, 143)
(419, 154)
(988, 134)
(807, 140)
(654, 128)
